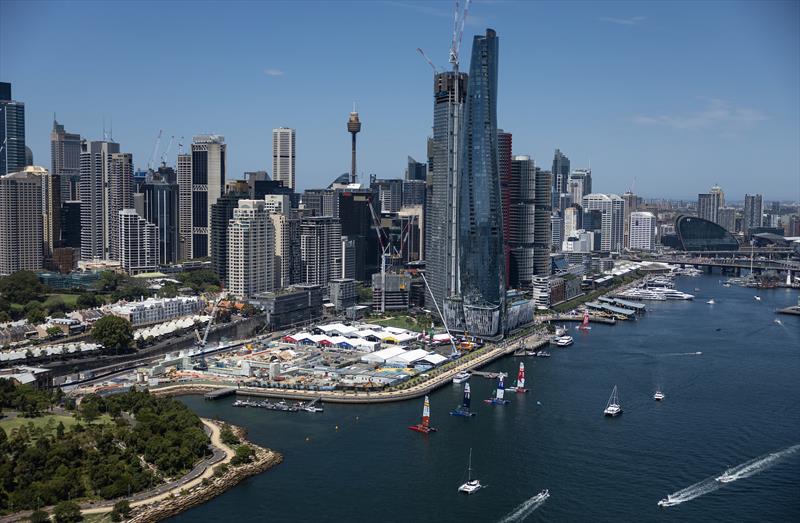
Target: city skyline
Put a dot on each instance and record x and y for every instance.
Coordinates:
(695, 124)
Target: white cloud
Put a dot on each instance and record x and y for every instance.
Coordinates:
(273, 72)
(631, 20)
(716, 113)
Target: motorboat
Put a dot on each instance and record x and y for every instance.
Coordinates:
(613, 407)
(711, 301)
(542, 354)
(758, 298)
(564, 341)
(658, 396)
(472, 485)
(461, 377)
(667, 502)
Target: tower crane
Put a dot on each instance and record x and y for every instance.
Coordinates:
(166, 151)
(459, 19)
(155, 150)
(201, 342)
(433, 66)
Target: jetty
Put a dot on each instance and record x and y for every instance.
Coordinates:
(219, 393)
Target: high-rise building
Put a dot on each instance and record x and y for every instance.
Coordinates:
(642, 231)
(250, 250)
(612, 211)
(560, 172)
(95, 193)
(752, 212)
(65, 160)
(12, 132)
(716, 189)
(504, 142)
(579, 184)
(120, 196)
(632, 203)
(708, 205)
(413, 192)
(542, 223)
(416, 170)
(161, 209)
(441, 234)
(71, 224)
(20, 222)
(209, 164)
(321, 202)
(727, 219)
(320, 249)
(138, 242)
(221, 215)
(483, 285)
(355, 209)
(520, 225)
(390, 193)
(51, 211)
(284, 258)
(556, 229)
(283, 156)
(183, 169)
(572, 220)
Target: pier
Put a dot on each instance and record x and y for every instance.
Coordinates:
(569, 318)
(219, 393)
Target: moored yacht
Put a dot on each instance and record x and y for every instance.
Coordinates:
(461, 377)
(564, 341)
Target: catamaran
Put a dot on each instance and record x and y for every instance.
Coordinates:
(520, 386)
(499, 395)
(472, 485)
(612, 408)
(425, 426)
(463, 409)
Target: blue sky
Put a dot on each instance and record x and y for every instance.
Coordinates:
(674, 95)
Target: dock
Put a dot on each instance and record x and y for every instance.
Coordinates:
(219, 393)
(489, 375)
(567, 318)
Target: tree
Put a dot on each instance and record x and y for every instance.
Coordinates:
(67, 512)
(36, 316)
(87, 300)
(244, 454)
(122, 510)
(53, 332)
(21, 287)
(39, 516)
(113, 332)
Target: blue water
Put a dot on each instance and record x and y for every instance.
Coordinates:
(734, 402)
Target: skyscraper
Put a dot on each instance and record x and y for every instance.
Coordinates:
(12, 132)
(708, 205)
(283, 156)
(504, 141)
(752, 212)
(51, 210)
(184, 175)
(441, 235)
(560, 172)
(138, 242)
(390, 193)
(416, 170)
(572, 220)
(250, 249)
(642, 231)
(483, 286)
(161, 209)
(65, 160)
(20, 222)
(208, 183)
(120, 196)
(612, 210)
(95, 204)
(716, 189)
(727, 219)
(320, 249)
(579, 184)
(221, 215)
(520, 225)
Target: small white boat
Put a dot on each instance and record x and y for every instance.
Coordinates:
(658, 396)
(613, 408)
(461, 377)
(711, 301)
(564, 341)
(758, 298)
(667, 502)
(472, 485)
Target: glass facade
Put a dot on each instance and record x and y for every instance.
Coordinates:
(697, 234)
(480, 209)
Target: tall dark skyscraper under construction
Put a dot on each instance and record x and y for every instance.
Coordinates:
(483, 284)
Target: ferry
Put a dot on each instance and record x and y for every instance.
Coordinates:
(463, 409)
(613, 408)
(461, 377)
(499, 398)
(564, 341)
(425, 425)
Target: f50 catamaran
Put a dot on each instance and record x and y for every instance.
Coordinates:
(425, 425)
(463, 409)
(520, 386)
(499, 398)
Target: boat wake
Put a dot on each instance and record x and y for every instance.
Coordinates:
(745, 470)
(526, 508)
(754, 466)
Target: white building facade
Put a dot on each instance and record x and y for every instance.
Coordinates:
(138, 243)
(642, 231)
(283, 156)
(251, 249)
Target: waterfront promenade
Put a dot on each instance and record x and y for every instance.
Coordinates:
(504, 348)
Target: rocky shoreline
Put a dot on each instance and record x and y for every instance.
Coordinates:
(263, 459)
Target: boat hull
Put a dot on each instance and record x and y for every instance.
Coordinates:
(463, 413)
(612, 414)
(495, 401)
(518, 390)
(423, 429)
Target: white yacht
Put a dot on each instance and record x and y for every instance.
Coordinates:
(472, 485)
(564, 341)
(613, 408)
(672, 294)
(461, 377)
(658, 396)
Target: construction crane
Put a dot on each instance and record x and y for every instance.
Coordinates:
(379, 230)
(201, 342)
(166, 151)
(454, 352)
(459, 19)
(430, 62)
(155, 150)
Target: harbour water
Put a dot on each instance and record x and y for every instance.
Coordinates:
(731, 376)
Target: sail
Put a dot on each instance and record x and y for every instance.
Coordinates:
(426, 412)
(466, 396)
(586, 317)
(500, 388)
(521, 376)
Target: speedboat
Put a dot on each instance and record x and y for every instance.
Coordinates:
(667, 502)
(725, 478)
(758, 298)
(658, 396)
(564, 341)
(711, 301)
(461, 377)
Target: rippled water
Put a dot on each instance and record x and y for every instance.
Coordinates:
(734, 402)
